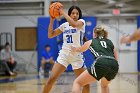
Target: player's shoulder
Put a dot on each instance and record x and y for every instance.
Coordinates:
(109, 40)
(65, 24)
(93, 40)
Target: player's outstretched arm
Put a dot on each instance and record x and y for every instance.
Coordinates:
(83, 48)
(135, 36)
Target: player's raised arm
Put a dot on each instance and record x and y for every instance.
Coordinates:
(52, 33)
(135, 36)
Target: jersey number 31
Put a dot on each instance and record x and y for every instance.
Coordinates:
(69, 39)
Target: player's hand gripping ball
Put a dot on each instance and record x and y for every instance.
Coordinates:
(54, 9)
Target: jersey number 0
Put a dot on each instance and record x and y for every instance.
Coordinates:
(103, 44)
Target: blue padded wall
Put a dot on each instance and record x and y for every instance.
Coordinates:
(90, 24)
(138, 45)
(42, 38)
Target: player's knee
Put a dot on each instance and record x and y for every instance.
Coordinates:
(52, 79)
(76, 82)
(104, 85)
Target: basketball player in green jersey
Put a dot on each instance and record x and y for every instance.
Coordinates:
(105, 66)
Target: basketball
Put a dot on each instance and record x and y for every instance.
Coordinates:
(54, 9)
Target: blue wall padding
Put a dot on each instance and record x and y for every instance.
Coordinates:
(42, 38)
(138, 45)
(90, 24)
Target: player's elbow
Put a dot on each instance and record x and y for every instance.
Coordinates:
(50, 36)
(74, 24)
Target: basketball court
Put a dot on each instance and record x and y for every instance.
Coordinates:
(31, 83)
(24, 24)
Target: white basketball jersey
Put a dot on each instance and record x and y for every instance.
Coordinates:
(72, 36)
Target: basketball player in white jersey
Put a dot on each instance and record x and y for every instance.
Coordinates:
(73, 31)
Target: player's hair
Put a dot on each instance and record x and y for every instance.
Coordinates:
(75, 7)
(47, 45)
(101, 32)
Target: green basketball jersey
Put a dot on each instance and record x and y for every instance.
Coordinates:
(100, 47)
